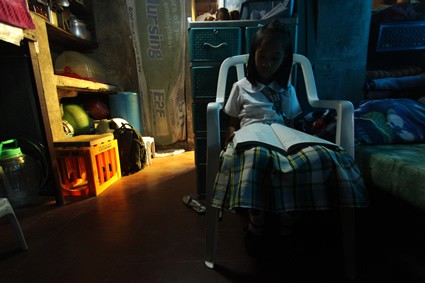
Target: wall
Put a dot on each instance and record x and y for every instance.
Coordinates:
(335, 40)
(124, 64)
(115, 52)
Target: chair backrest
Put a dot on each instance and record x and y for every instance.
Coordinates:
(345, 110)
(239, 61)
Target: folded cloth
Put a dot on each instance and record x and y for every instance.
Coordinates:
(400, 83)
(11, 34)
(407, 71)
(15, 13)
(389, 121)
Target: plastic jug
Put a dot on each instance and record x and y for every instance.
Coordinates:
(20, 174)
(126, 105)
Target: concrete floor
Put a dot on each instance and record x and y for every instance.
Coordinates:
(139, 230)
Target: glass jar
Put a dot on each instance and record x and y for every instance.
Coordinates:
(20, 174)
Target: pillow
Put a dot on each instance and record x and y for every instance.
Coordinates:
(389, 121)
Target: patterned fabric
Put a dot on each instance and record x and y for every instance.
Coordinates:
(16, 13)
(320, 123)
(314, 178)
(398, 83)
(273, 97)
(389, 121)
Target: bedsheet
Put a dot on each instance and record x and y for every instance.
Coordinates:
(398, 169)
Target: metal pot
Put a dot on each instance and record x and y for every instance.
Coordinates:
(63, 3)
(79, 29)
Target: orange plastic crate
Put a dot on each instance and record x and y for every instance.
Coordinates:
(87, 165)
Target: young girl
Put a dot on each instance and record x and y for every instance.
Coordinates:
(261, 179)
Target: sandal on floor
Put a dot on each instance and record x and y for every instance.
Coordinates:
(194, 203)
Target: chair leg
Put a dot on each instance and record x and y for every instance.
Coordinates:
(7, 210)
(212, 215)
(18, 231)
(349, 242)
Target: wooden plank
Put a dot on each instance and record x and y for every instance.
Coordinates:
(30, 34)
(67, 39)
(49, 103)
(84, 140)
(68, 83)
(45, 78)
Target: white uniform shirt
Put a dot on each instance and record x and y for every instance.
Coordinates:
(250, 105)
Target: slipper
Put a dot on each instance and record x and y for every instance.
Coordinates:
(194, 203)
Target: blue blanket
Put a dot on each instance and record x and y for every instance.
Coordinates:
(389, 121)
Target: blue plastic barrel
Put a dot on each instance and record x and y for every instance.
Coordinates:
(126, 105)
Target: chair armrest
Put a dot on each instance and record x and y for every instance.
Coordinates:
(344, 121)
(213, 145)
(344, 108)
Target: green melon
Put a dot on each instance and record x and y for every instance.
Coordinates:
(78, 118)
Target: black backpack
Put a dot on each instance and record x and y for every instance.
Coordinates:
(131, 149)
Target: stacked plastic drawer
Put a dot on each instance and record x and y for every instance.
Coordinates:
(208, 47)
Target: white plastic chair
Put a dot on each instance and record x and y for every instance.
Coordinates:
(7, 210)
(344, 138)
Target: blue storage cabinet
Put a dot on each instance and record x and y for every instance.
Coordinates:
(401, 36)
(214, 44)
(208, 47)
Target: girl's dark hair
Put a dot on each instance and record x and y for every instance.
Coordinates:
(273, 31)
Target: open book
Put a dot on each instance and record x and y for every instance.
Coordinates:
(279, 137)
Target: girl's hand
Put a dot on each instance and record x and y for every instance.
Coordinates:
(230, 133)
(228, 139)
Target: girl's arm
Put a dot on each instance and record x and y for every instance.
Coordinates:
(234, 125)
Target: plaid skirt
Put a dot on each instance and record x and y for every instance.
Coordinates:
(314, 178)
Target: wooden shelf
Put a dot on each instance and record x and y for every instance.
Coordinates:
(69, 87)
(67, 39)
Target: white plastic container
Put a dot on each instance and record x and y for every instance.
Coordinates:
(77, 65)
